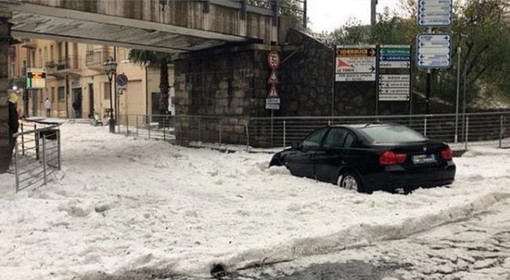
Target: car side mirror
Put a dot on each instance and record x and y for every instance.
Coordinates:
(296, 145)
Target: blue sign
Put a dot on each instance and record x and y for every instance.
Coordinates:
(435, 13)
(122, 80)
(395, 58)
(433, 51)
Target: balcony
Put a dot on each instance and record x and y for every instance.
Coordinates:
(62, 67)
(96, 57)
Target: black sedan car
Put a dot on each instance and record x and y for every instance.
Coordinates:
(370, 157)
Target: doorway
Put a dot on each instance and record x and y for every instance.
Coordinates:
(91, 100)
(77, 102)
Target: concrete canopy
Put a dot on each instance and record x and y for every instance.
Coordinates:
(183, 26)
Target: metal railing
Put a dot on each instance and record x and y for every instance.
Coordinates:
(36, 155)
(471, 129)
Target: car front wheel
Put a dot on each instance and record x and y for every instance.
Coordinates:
(349, 181)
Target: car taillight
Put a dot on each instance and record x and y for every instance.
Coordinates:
(389, 157)
(447, 153)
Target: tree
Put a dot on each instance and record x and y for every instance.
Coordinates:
(160, 60)
(292, 10)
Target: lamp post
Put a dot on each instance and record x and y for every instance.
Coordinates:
(110, 68)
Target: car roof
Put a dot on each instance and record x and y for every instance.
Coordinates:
(363, 125)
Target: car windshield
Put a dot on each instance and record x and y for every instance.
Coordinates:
(392, 134)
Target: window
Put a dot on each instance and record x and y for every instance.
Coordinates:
(61, 93)
(392, 134)
(335, 138)
(52, 96)
(313, 140)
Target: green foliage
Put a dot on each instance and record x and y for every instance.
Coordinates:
(158, 59)
(292, 10)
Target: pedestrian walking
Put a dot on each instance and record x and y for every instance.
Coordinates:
(13, 119)
(47, 105)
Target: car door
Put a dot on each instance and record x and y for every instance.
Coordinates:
(301, 161)
(329, 156)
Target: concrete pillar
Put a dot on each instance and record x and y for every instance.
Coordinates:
(5, 38)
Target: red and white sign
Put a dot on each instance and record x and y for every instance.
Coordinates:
(273, 59)
(273, 93)
(273, 79)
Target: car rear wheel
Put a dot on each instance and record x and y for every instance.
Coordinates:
(350, 181)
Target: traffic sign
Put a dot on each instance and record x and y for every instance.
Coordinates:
(273, 79)
(394, 97)
(435, 13)
(433, 51)
(395, 85)
(356, 63)
(392, 78)
(122, 80)
(395, 64)
(273, 59)
(35, 78)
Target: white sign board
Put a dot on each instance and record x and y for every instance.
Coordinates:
(435, 13)
(356, 63)
(394, 87)
(433, 51)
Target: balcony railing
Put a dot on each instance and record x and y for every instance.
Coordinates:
(96, 57)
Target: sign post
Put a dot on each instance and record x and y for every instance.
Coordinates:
(273, 99)
(433, 52)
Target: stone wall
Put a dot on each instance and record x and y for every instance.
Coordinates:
(224, 86)
(306, 76)
(5, 154)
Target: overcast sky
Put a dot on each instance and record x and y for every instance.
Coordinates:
(326, 15)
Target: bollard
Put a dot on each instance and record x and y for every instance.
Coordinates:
(22, 141)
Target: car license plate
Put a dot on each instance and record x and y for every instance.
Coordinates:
(421, 159)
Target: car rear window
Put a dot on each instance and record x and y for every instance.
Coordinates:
(392, 134)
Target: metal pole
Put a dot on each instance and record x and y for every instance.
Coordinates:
(467, 134)
(284, 133)
(464, 101)
(22, 141)
(500, 131)
(16, 159)
(112, 122)
(428, 91)
(272, 123)
(305, 14)
(44, 159)
(373, 12)
(59, 150)
(425, 127)
(459, 49)
(149, 129)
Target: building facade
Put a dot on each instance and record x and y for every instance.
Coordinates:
(76, 83)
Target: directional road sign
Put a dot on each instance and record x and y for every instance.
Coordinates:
(435, 13)
(395, 56)
(433, 51)
(356, 63)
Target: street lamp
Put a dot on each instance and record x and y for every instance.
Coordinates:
(110, 68)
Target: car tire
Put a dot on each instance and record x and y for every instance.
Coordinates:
(350, 181)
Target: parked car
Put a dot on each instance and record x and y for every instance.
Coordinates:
(370, 157)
